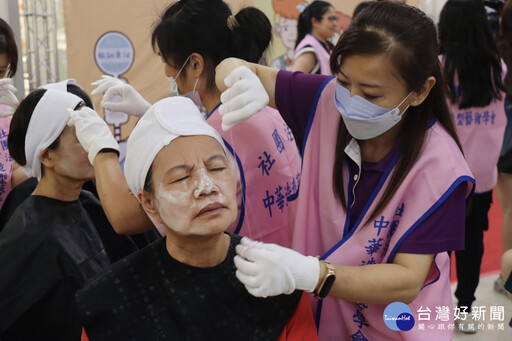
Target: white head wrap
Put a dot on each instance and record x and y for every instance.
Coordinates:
(46, 124)
(165, 120)
(62, 85)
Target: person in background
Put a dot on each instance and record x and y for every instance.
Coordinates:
(317, 23)
(192, 37)
(49, 247)
(504, 184)
(384, 185)
(184, 287)
(10, 172)
(476, 98)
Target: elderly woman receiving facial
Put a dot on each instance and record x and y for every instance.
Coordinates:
(184, 286)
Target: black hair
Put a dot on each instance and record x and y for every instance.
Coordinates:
(8, 46)
(466, 41)
(409, 40)
(19, 126)
(78, 91)
(316, 10)
(201, 26)
(360, 7)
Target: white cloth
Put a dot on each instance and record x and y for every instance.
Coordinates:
(48, 120)
(165, 120)
(62, 85)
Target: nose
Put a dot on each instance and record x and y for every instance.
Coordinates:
(204, 184)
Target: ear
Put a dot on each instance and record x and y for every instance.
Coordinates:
(314, 22)
(418, 97)
(197, 64)
(46, 158)
(150, 205)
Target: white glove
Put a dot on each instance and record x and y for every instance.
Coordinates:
(92, 132)
(131, 102)
(244, 97)
(7, 97)
(270, 269)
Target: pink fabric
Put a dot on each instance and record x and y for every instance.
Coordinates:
(321, 54)
(269, 165)
(481, 132)
(320, 225)
(5, 159)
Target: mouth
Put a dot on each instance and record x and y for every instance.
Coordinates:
(211, 208)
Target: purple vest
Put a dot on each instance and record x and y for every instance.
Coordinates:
(321, 227)
(269, 174)
(321, 54)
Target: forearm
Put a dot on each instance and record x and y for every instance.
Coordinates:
(381, 283)
(267, 75)
(121, 207)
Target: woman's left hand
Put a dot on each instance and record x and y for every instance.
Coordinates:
(270, 269)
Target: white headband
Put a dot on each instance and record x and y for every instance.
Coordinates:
(165, 120)
(46, 124)
(62, 85)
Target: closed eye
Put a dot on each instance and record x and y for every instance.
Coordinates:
(181, 179)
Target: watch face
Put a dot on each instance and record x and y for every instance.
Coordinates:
(329, 281)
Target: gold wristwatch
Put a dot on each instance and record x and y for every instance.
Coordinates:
(326, 283)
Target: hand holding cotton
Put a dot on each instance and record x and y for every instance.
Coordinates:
(270, 269)
(244, 97)
(131, 103)
(92, 132)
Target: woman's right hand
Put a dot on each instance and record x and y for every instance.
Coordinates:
(7, 97)
(244, 97)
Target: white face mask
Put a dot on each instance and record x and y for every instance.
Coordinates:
(363, 119)
(173, 86)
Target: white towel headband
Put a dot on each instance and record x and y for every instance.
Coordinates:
(165, 120)
(46, 124)
(62, 85)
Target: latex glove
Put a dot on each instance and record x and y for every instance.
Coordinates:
(270, 269)
(244, 97)
(92, 132)
(132, 103)
(7, 97)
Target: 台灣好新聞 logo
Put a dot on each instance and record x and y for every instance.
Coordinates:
(398, 316)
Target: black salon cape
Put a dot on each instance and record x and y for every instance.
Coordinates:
(151, 296)
(47, 251)
(117, 246)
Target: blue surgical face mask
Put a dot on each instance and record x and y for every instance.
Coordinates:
(363, 119)
(173, 86)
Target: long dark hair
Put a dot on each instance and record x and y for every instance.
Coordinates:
(466, 40)
(201, 26)
(409, 39)
(8, 46)
(505, 42)
(314, 10)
